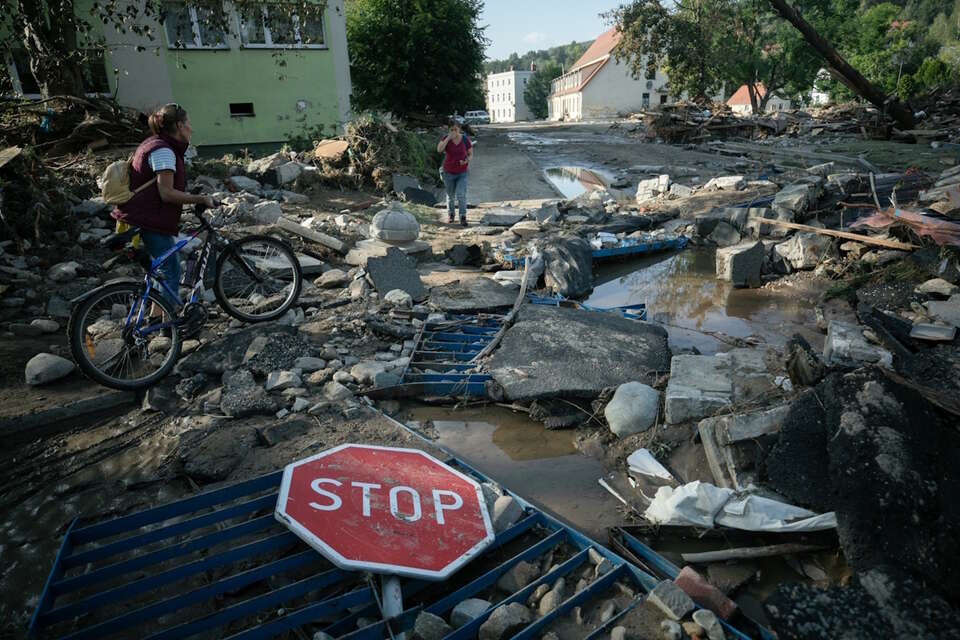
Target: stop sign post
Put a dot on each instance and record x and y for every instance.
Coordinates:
(386, 510)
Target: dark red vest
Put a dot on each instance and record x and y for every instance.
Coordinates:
(145, 209)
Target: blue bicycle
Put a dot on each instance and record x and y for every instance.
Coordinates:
(127, 333)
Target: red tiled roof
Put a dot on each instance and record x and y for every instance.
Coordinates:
(601, 46)
(742, 96)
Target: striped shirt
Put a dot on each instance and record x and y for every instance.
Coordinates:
(162, 160)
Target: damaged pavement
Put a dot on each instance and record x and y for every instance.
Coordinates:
(841, 417)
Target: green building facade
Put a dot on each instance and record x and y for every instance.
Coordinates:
(242, 86)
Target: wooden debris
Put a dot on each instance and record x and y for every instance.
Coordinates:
(880, 242)
(313, 236)
(745, 553)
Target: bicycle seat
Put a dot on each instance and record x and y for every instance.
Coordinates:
(117, 241)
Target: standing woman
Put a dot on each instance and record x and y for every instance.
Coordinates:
(156, 211)
(458, 152)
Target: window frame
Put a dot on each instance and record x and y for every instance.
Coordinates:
(17, 84)
(268, 37)
(198, 44)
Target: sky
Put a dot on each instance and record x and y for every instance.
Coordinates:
(524, 25)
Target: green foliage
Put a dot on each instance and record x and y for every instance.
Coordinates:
(538, 89)
(416, 57)
(686, 39)
(563, 57)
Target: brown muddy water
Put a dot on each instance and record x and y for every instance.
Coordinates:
(539, 465)
(682, 293)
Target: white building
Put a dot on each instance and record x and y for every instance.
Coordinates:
(739, 102)
(819, 98)
(599, 86)
(505, 101)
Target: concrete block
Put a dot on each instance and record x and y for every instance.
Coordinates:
(698, 387)
(846, 347)
(741, 263)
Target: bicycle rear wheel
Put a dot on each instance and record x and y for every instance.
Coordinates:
(258, 279)
(112, 349)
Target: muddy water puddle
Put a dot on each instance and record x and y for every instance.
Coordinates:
(574, 181)
(541, 466)
(682, 293)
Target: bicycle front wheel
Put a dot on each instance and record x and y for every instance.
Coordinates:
(258, 279)
(111, 347)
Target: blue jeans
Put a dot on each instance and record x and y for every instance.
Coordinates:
(157, 244)
(456, 186)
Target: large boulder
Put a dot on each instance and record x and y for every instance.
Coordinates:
(505, 622)
(846, 346)
(633, 409)
(266, 212)
(569, 267)
(46, 367)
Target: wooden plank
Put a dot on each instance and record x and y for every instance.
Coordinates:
(521, 298)
(744, 553)
(9, 154)
(313, 236)
(880, 242)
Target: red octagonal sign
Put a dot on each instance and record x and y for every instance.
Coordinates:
(386, 510)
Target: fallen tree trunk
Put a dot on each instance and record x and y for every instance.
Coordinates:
(846, 74)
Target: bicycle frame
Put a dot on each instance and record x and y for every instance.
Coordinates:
(153, 274)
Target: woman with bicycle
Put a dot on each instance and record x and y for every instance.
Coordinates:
(157, 212)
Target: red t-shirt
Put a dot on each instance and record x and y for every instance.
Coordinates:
(454, 153)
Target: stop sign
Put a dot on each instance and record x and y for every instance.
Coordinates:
(386, 510)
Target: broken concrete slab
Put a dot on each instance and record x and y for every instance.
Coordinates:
(847, 347)
(502, 217)
(740, 264)
(473, 294)
(945, 310)
(701, 385)
(555, 351)
(734, 466)
(395, 270)
(648, 190)
(526, 229)
(937, 287)
(723, 235)
(366, 249)
(725, 183)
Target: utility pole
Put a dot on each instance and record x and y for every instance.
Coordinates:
(845, 73)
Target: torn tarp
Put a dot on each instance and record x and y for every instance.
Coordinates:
(940, 231)
(703, 505)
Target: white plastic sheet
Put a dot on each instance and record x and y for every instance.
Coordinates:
(703, 505)
(642, 462)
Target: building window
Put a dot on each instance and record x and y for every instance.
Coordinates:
(260, 29)
(190, 28)
(241, 110)
(663, 98)
(646, 100)
(93, 74)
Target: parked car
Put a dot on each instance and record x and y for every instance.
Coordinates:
(477, 117)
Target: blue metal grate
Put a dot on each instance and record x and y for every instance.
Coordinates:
(219, 565)
(441, 361)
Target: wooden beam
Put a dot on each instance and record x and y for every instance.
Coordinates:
(846, 235)
(521, 298)
(847, 74)
(745, 553)
(313, 236)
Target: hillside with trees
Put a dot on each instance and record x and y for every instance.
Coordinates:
(904, 47)
(562, 56)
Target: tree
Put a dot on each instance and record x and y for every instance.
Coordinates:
(563, 56)
(538, 89)
(760, 48)
(57, 38)
(416, 56)
(849, 75)
(686, 40)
